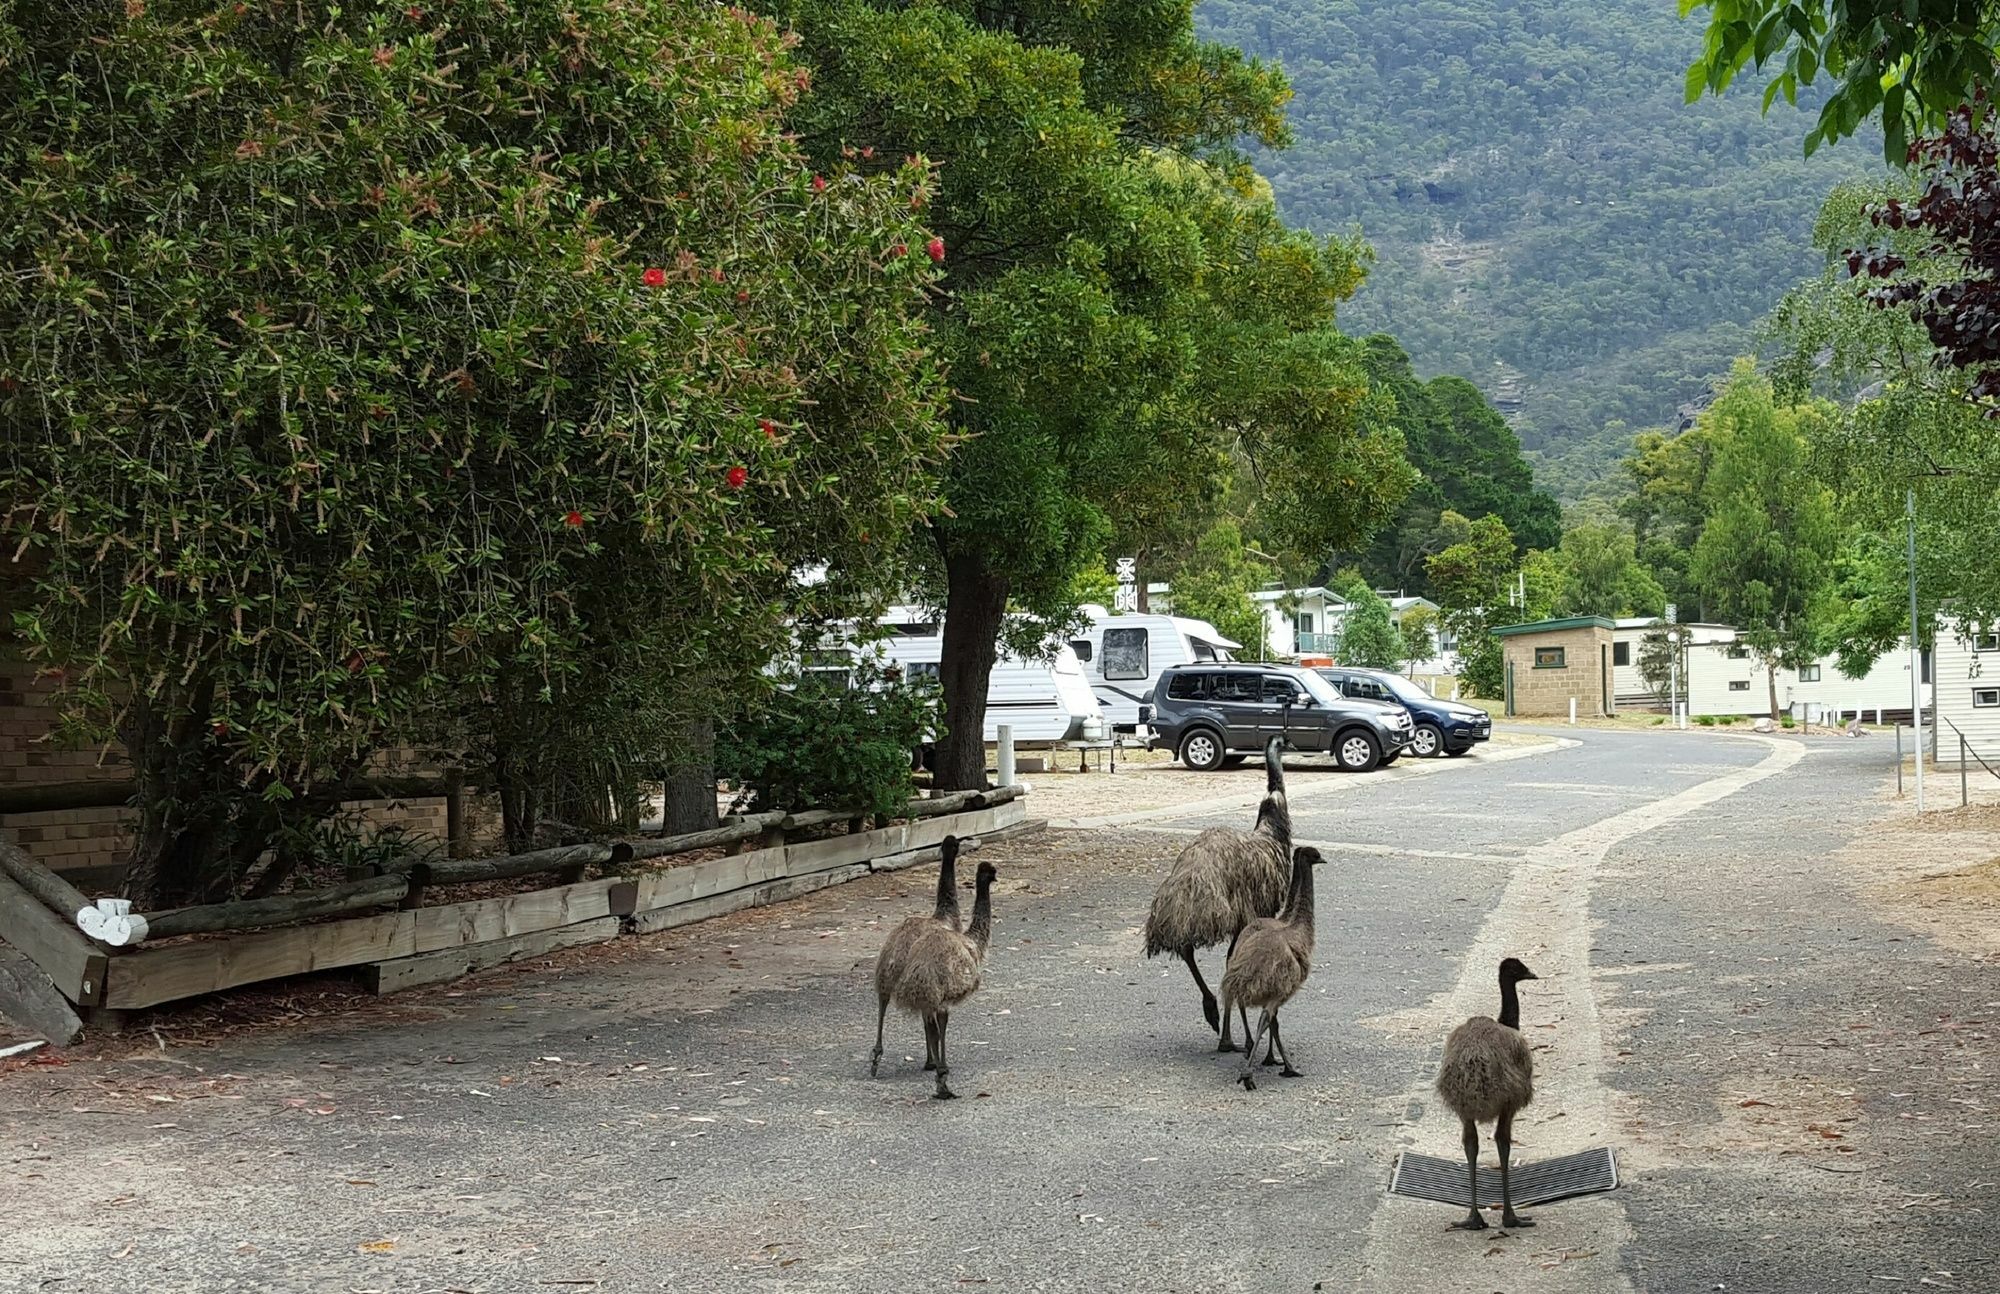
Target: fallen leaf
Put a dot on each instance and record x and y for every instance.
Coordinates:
(377, 1246)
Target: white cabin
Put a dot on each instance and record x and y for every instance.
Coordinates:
(1966, 680)
(1124, 655)
(1727, 678)
(1628, 636)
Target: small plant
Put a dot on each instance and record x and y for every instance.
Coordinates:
(820, 743)
(1705, 720)
(1659, 719)
(1786, 720)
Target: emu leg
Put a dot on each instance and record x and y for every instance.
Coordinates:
(1283, 1052)
(930, 1045)
(1207, 998)
(1473, 1220)
(1503, 1140)
(1250, 1052)
(1225, 1044)
(875, 1061)
(943, 1093)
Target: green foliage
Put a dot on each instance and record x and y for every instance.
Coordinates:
(1418, 631)
(1602, 575)
(1471, 464)
(1122, 313)
(1905, 63)
(1657, 665)
(1367, 637)
(1550, 220)
(1764, 558)
(1215, 585)
(1668, 507)
(816, 745)
(1472, 575)
(1705, 720)
(341, 412)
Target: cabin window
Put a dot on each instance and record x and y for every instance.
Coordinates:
(1808, 673)
(1621, 653)
(1739, 685)
(1305, 625)
(1125, 653)
(1738, 653)
(913, 629)
(1986, 642)
(1188, 687)
(1082, 648)
(921, 669)
(1204, 652)
(1549, 657)
(1983, 697)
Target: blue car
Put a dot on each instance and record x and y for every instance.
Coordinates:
(1441, 727)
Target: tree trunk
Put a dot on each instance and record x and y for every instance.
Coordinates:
(1771, 673)
(975, 608)
(689, 792)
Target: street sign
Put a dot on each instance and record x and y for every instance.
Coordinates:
(1128, 570)
(1125, 598)
(1671, 609)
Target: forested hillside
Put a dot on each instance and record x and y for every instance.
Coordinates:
(1551, 220)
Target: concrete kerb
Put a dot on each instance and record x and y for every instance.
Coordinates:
(1296, 791)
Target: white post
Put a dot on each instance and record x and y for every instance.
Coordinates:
(1572, 712)
(1916, 658)
(1006, 754)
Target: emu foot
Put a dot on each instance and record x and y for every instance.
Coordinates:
(1249, 1083)
(929, 1065)
(875, 1064)
(1289, 1072)
(1513, 1219)
(1472, 1222)
(945, 1094)
(1226, 1045)
(1214, 1016)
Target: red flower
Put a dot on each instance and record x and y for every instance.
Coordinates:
(414, 14)
(221, 728)
(738, 477)
(384, 56)
(573, 519)
(936, 248)
(819, 184)
(868, 151)
(769, 428)
(355, 663)
(742, 297)
(654, 277)
(716, 274)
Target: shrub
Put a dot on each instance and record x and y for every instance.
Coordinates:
(1705, 720)
(831, 745)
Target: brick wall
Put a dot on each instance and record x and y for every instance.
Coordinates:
(89, 845)
(1547, 691)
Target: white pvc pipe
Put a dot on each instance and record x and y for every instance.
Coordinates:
(1006, 754)
(1572, 711)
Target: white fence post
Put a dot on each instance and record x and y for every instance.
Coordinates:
(1572, 712)
(1006, 754)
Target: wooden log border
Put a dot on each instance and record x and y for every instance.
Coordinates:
(484, 932)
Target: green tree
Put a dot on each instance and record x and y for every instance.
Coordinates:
(1368, 638)
(1215, 585)
(1602, 574)
(1907, 63)
(1418, 631)
(1765, 556)
(1472, 575)
(1122, 309)
(1667, 510)
(428, 377)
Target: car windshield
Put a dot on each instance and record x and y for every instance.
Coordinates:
(1316, 687)
(1401, 688)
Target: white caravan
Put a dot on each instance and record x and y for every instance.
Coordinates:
(1124, 655)
(1044, 701)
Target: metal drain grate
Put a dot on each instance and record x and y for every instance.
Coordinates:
(1423, 1177)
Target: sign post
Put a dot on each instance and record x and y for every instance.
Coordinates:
(1127, 597)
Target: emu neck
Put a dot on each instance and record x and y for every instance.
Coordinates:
(1510, 1005)
(1274, 819)
(947, 891)
(1299, 907)
(981, 928)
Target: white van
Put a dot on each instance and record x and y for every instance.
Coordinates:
(1044, 701)
(1124, 656)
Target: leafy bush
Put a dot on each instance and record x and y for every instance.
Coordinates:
(1786, 720)
(1705, 720)
(828, 744)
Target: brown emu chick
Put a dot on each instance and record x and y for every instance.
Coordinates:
(1222, 881)
(895, 952)
(939, 969)
(1269, 965)
(1488, 1075)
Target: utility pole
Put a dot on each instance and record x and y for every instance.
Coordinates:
(1916, 652)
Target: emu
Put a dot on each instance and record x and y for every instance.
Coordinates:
(1222, 881)
(1487, 1076)
(895, 954)
(940, 968)
(1269, 966)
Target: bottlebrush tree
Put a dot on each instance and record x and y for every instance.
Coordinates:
(377, 375)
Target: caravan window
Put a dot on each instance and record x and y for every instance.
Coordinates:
(1081, 646)
(1808, 673)
(1985, 696)
(1188, 687)
(1125, 653)
(1202, 651)
(917, 669)
(1621, 653)
(1985, 642)
(912, 629)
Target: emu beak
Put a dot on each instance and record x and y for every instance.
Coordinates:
(1530, 975)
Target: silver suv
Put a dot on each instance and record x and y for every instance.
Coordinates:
(1216, 715)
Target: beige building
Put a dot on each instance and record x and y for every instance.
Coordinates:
(1551, 663)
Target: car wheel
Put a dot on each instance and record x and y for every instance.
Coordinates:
(1357, 751)
(1427, 740)
(1202, 751)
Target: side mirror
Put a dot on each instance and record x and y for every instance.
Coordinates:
(1304, 698)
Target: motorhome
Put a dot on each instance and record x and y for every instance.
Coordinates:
(1124, 655)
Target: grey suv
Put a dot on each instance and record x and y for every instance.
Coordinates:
(1215, 715)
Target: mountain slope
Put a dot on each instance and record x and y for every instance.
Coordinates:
(1551, 221)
